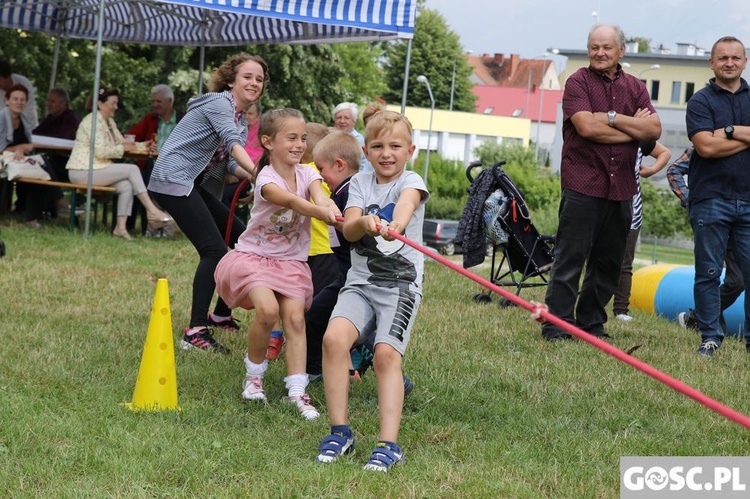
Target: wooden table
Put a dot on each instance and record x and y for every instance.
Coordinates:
(64, 150)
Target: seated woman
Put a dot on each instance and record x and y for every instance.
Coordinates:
(15, 136)
(109, 145)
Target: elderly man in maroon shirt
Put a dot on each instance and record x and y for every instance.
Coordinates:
(605, 114)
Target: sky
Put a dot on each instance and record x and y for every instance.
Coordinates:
(530, 27)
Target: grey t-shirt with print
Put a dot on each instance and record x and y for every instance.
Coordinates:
(375, 260)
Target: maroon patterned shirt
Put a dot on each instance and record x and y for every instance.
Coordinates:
(591, 168)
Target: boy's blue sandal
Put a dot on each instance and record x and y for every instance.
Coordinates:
(333, 446)
(384, 457)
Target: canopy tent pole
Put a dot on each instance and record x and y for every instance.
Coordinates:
(94, 115)
(55, 58)
(61, 15)
(406, 77)
(202, 63)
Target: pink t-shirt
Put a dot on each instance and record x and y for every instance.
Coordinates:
(274, 231)
(252, 145)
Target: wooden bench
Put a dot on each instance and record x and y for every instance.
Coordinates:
(75, 189)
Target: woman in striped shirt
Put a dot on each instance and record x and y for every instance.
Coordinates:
(188, 179)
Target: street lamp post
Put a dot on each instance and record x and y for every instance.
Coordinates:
(539, 121)
(541, 103)
(453, 83)
(652, 68)
(423, 79)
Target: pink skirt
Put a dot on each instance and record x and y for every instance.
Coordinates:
(238, 273)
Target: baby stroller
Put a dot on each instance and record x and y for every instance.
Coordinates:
(496, 211)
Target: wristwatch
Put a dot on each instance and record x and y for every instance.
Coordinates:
(611, 117)
(729, 130)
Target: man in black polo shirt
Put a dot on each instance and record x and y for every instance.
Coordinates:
(718, 124)
(605, 114)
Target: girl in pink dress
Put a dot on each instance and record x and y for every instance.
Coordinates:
(267, 270)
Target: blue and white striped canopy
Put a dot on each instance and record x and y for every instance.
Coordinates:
(216, 22)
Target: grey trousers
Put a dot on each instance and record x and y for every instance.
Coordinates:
(124, 177)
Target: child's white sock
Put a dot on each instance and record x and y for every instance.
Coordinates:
(296, 384)
(254, 369)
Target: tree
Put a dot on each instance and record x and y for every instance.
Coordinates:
(31, 55)
(314, 78)
(662, 214)
(364, 80)
(644, 44)
(434, 50)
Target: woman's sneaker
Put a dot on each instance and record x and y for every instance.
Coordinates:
(384, 457)
(335, 445)
(252, 389)
(202, 340)
(230, 324)
(305, 408)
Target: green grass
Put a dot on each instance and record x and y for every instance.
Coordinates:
(664, 254)
(496, 411)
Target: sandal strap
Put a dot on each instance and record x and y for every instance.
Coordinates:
(333, 443)
(384, 456)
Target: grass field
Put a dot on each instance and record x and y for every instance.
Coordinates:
(496, 411)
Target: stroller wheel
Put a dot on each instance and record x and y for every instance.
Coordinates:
(482, 298)
(505, 303)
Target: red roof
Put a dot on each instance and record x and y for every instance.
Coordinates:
(505, 101)
(508, 71)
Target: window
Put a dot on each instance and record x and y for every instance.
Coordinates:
(676, 90)
(654, 90)
(488, 110)
(689, 90)
(517, 113)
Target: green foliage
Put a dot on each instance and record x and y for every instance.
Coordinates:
(662, 214)
(364, 78)
(446, 177)
(306, 77)
(444, 207)
(311, 78)
(435, 48)
(538, 185)
(447, 184)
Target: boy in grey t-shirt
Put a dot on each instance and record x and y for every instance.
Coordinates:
(383, 287)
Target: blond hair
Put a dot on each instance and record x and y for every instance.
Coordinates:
(386, 120)
(370, 110)
(315, 132)
(339, 145)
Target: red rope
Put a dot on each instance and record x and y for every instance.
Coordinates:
(231, 210)
(540, 313)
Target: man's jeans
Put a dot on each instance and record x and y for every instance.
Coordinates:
(714, 221)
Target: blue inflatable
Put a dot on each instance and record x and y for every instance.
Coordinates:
(667, 290)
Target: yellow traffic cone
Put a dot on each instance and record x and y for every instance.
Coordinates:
(156, 387)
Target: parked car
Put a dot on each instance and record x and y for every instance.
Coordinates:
(439, 234)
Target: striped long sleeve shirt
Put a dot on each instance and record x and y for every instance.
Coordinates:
(210, 123)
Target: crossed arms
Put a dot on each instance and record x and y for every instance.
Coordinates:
(644, 125)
